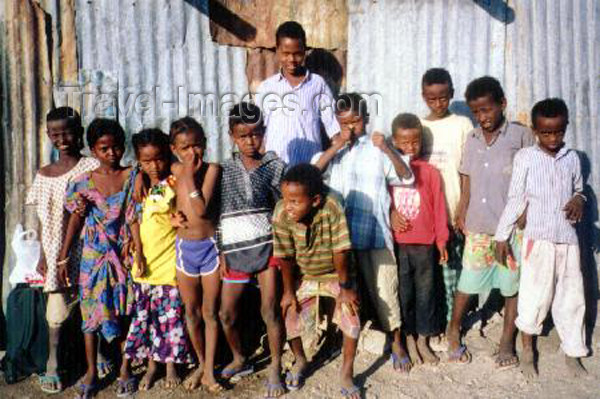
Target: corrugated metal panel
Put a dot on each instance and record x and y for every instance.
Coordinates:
(535, 48)
(154, 55)
(393, 42)
(26, 96)
(252, 23)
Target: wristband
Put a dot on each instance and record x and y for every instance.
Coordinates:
(195, 194)
(62, 262)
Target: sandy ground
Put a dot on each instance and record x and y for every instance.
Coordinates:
(479, 379)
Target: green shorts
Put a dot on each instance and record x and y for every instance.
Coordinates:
(481, 273)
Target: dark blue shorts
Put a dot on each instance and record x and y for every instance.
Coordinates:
(196, 257)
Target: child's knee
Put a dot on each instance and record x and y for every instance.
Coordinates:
(269, 314)
(193, 315)
(227, 317)
(210, 315)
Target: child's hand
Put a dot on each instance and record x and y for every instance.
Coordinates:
(443, 253)
(140, 260)
(459, 222)
(138, 188)
(349, 298)
(400, 224)
(574, 209)
(81, 209)
(41, 266)
(63, 273)
(522, 220)
(502, 251)
(192, 162)
(178, 220)
(379, 141)
(289, 302)
(339, 140)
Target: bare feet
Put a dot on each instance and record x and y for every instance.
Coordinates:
(172, 379)
(411, 346)
(209, 383)
(295, 377)
(528, 364)
(506, 357)
(274, 386)
(400, 360)
(425, 351)
(148, 379)
(575, 367)
(195, 379)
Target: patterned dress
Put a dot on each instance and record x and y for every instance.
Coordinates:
(104, 278)
(48, 195)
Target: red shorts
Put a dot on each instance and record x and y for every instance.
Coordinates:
(239, 277)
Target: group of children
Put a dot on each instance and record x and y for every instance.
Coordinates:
(158, 255)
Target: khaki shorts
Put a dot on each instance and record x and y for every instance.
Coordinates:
(59, 306)
(380, 274)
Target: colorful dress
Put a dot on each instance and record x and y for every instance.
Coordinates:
(158, 330)
(104, 278)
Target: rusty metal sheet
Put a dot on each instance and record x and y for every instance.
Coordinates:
(252, 23)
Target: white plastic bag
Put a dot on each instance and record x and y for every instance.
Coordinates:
(27, 251)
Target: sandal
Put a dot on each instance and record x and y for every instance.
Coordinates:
(270, 387)
(127, 387)
(347, 392)
(104, 369)
(509, 362)
(214, 389)
(238, 372)
(455, 356)
(398, 362)
(50, 383)
(86, 391)
(294, 381)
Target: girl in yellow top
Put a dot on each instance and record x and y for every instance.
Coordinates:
(157, 332)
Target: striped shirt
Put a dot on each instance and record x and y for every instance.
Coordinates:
(312, 246)
(544, 184)
(361, 175)
(292, 116)
(247, 201)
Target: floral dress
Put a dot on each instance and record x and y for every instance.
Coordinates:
(104, 278)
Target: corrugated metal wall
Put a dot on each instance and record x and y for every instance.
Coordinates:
(536, 48)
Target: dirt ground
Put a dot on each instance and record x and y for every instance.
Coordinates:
(479, 379)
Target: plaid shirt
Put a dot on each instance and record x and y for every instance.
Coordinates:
(361, 175)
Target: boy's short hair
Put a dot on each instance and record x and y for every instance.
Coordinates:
(102, 127)
(245, 113)
(184, 125)
(291, 30)
(306, 175)
(352, 102)
(437, 76)
(155, 137)
(485, 86)
(65, 113)
(549, 108)
(406, 121)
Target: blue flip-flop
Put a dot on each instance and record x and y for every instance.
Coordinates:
(126, 388)
(86, 391)
(454, 356)
(397, 361)
(239, 372)
(270, 387)
(346, 392)
(294, 381)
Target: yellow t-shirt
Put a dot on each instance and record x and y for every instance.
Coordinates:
(158, 235)
(443, 143)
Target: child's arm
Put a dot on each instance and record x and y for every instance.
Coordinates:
(348, 296)
(402, 169)
(574, 208)
(288, 299)
(140, 259)
(337, 143)
(515, 206)
(463, 203)
(440, 215)
(74, 226)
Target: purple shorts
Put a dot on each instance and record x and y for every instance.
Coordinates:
(196, 257)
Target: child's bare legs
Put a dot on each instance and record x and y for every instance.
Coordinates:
(211, 287)
(150, 376)
(506, 354)
(230, 296)
(172, 379)
(53, 340)
(90, 356)
(527, 357)
(271, 315)
(190, 289)
(461, 301)
(400, 352)
(300, 363)
(347, 373)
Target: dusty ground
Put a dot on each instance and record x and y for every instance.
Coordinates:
(479, 379)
